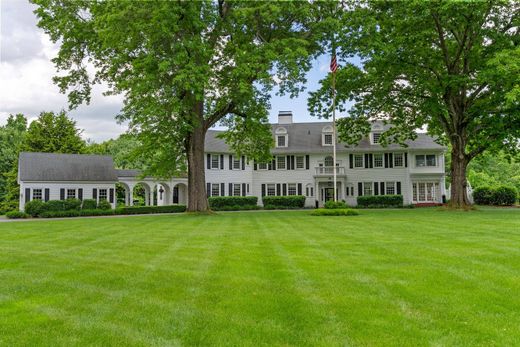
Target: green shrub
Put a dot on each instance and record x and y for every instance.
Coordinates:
(60, 214)
(334, 212)
(89, 204)
(72, 204)
(504, 196)
(232, 203)
(380, 201)
(17, 215)
(104, 205)
(54, 205)
(35, 207)
(151, 209)
(97, 212)
(483, 195)
(283, 202)
(331, 204)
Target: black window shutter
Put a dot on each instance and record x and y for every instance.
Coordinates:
(94, 194)
(222, 162)
(360, 189)
(366, 161)
(278, 189)
(398, 188)
(243, 189)
(351, 160)
(270, 166)
(222, 189)
(371, 160)
(230, 162)
(288, 160)
(27, 195)
(243, 162)
(208, 189)
(386, 160)
(284, 189)
(208, 161)
(274, 164)
(230, 186)
(391, 160)
(382, 188)
(111, 195)
(80, 193)
(62, 194)
(263, 189)
(299, 189)
(255, 166)
(406, 160)
(376, 188)
(292, 162)
(307, 162)
(47, 193)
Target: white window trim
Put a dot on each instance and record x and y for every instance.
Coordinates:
(218, 161)
(372, 140)
(382, 161)
(425, 160)
(234, 160)
(239, 189)
(284, 160)
(362, 161)
(99, 194)
(386, 188)
(295, 189)
(296, 162)
(286, 140)
(263, 169)
(371, 185)
(219, 192)
(41, 193)
(323, 143)
(394, 156)
(267, 189)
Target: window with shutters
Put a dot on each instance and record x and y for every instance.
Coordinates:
(103, 194)
(291, 189)
(280, 162)
(271, 189)
(215, 161)
(390, 188)
(300, 162)
(309, 190)
(236, 163)
(358, 160)
(215, 189)
(367, 188)
(398, 159)
(262, 166)
(37, 194)
(71, 193)
(378, 160)
(236, 189)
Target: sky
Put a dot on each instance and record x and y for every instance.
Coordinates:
(26, 85)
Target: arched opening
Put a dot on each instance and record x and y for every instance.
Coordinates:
(180, 194)
(164, 194)
(123, 194)
(142, 194)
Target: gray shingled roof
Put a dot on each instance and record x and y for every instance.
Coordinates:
(306, 138)
(128, 173)
(49, 167)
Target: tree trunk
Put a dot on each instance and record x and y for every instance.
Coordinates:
(459, 183)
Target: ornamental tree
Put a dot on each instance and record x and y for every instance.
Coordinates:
(182, 67)
(452, 67)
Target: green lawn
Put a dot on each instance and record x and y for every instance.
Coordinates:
(383, 278)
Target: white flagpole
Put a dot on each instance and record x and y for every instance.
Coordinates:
(334, 132)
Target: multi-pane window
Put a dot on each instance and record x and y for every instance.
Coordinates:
(376, 137)
(280, 163)
(236, 163)
(262, 166)
(327, 139)
(329, 161)
(425, 191)
(215, 161)
(398, 160)
(103, 194)
(309, 191)
(378, 160)
(281, 141)
(390, 188)
(358, 160)
(271, 189)
(367, 188)
(236, 189)
(291, 189)
(215, 189)
(300, 162)
(425, 160)
(37, 194)
(71, 193)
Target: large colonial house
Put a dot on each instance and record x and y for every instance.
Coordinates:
(302, 164)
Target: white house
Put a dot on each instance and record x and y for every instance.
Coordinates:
(302, 164)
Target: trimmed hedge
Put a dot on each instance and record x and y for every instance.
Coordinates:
(380, 201)
(283, 202)
(17, 215)
(334, 212)
(89, 204)
(97, 212)
(104, 205)
(35, 207)
(60, 214)
(151, 209)
(500, 196)
(232, 203)
(331, 204)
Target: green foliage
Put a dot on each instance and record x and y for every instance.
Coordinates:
(500, 196)
(380, 201)
(151, 209)
(494, 169)
(124, 151)
(60, 214)
(17, 215)
(230, 203)
(97, 212)
(483, 195)
(283, 202)
(104, 205)
(72, 204)
(334, 212)
(89, 204)
(55, 205)
(331, 204)
(35, 207)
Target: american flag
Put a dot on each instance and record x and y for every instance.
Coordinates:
(333, 64)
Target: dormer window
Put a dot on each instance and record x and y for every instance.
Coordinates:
(281, 137)
(375, 138)
(327, 136)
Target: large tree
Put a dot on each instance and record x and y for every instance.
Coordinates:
(184, 66)
(450, 66)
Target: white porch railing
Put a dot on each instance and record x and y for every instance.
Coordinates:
(329, 170)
